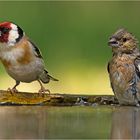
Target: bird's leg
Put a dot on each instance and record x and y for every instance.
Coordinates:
(14, 90)
(43, 90)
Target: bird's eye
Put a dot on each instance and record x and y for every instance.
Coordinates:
(124, 39)
(4, 30)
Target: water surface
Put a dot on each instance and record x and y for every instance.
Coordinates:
(69, 122)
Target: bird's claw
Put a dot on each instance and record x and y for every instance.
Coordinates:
(43, 91)
(13, 90)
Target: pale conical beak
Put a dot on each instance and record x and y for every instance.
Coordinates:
(113, 42)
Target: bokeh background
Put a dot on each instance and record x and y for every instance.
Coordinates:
(73, 39)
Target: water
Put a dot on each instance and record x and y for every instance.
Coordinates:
(22, 122)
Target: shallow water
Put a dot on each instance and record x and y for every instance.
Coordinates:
(69, 122)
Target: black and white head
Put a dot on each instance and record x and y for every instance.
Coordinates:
(10, 34)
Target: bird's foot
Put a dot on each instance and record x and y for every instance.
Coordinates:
(43, 91)
(13, 90)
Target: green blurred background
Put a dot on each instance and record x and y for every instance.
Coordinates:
(73, 39)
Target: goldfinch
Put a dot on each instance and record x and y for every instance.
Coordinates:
(21, 57)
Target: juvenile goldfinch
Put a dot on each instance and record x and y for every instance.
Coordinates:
(21, 58)
(124, 67)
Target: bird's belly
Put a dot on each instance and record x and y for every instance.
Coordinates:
(122, 84)
(27, 72)
(118, 79)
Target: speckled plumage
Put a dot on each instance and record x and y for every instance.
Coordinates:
(124, 67)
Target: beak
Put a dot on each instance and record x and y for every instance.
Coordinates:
(0, 33)
(113, 42)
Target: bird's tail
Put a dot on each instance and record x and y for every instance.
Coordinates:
(45, 77)
(52, 78)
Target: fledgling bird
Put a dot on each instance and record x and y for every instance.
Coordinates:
(21, 58)
(124, 67)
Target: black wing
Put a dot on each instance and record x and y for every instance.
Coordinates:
(36, 50)
(108, 67)
(137, 65)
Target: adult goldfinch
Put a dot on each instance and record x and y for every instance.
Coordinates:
(21, 58)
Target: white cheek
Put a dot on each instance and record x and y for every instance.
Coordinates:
(13, 35)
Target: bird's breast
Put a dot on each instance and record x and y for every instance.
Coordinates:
(121, 71)
(18, 55)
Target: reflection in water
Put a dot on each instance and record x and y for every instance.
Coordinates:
(26, 122)
(126, 123)
(54, 122)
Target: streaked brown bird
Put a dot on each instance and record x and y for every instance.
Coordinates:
(124, 67)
